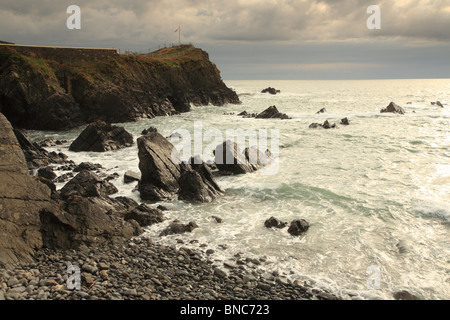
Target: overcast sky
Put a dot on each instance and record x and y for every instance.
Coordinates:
(255, 39)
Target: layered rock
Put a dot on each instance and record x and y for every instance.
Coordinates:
(163, 176)
(100, 137)
(42, 94)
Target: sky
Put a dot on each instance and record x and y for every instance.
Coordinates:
(255, 39)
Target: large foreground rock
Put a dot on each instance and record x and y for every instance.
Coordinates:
(100, 137)
(87, 184)
(163, 176)
(393, 108)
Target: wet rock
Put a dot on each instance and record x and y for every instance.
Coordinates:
(274, 223)
(323, 110)
(272, 113)
(325, 125)
(298, 227)
(393, 108)
(229, 158)
(87, 184)
(270, 90)
(50, 142)
(345, 122)
(243, 113)
(87, 166)
(217, 219)
(131, 176)
(178, 228)
(439, 104)
(151, 129)
(100, 137)
(257, 158)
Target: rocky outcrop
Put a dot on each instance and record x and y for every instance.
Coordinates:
(325, 125)
(229, 158)
(31, 218)
(345, 122)
(145, 215)
(270, 90)
(272, 113)
(100, 137)
(323, 110)
(163, 176)
(43, 94)
(87, 184)
(393, 108)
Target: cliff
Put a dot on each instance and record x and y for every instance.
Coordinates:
(42, 90)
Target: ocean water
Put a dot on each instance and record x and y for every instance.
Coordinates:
(376, 193)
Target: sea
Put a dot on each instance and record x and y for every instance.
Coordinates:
(376, 193)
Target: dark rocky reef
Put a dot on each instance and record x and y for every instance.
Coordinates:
(393, 108)
(272, 113)
(45, 94)
(270, 90)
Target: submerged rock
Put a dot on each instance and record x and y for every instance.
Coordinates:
(325, 125)
(178, 228)
(393, 108)
(100, 137)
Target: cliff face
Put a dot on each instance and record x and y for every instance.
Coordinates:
(45, 94)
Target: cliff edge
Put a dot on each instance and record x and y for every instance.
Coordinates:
(42, 89)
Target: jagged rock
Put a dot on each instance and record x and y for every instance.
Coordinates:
(345, 122)
(393, 108)
(274, 223)
(270, 90)
(100, 137)
(243, 113)
(160, 174)
(271, 113)
(297, 227)
(325, 125)
(87, 184)
(37, 157)
(177, 228)
(229, 158)
(151, 129)
(131, 176)
(145, 215)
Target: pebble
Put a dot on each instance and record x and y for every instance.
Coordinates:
(141, 270)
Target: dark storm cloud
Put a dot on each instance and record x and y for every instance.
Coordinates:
(302, 36)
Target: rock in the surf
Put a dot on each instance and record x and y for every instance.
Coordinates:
(298, 227)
